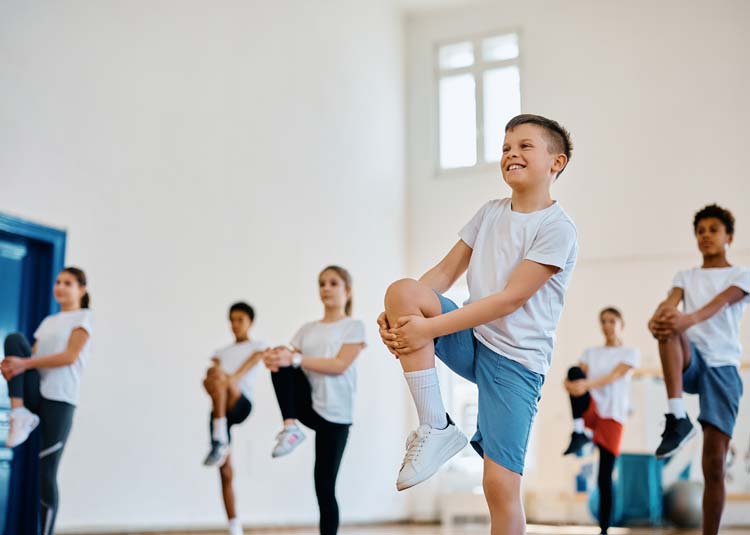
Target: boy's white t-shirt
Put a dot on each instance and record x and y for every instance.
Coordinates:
(612, 400)
(234, 355)
(62, 383)
(501, 239)
(332, 395)
(718, 337)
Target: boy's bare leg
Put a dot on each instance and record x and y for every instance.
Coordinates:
(227, 488)
(715, 449)
(674, 353)
(436, 440)
(408, 297)
(502, 490)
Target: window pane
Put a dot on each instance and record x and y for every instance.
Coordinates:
(456, 56)
(458, 128)
(502, 102)
(500, 48)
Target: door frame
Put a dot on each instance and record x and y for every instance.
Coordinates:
(54, 238)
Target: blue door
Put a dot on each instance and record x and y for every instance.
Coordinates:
(30, 257)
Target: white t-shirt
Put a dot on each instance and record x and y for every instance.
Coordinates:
(717, 338)
(501, 239)
(234, 355)
(64, 382)
(612, 400)
(332, 395)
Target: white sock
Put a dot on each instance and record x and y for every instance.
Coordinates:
(235, 528)
(220, 431)
(578, 425)
(677, 407)
(425, 390)
(19, 410)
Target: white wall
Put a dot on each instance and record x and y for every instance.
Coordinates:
(653, 95)
(198, 153)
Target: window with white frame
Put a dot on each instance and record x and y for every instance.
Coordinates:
(479, 90)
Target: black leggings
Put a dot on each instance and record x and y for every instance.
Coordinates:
(607, 459)
(56, 419)
(295, 401)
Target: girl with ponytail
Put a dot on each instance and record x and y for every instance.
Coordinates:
(315, 383)
(44, 381)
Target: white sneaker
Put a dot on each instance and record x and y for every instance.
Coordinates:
(22, 423)
(287, 440)
(427, 449)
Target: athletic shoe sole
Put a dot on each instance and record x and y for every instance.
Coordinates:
(450, 449)
(16, 443)
(276, 455)
(682, 443)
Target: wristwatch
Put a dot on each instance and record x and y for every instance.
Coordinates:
(297, 360)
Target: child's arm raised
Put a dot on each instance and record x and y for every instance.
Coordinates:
(441, 277)
(670, 303)
(673, 321)
(281, 357)
(248, 365)
(414, 332)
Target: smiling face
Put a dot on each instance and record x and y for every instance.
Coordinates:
(333, 290)
(528, 159)
(712, 237)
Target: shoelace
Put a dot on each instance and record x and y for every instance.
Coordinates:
(414, 443)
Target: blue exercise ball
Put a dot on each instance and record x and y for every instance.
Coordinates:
(683, 504)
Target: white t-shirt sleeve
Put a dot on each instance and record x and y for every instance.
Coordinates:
(742, 280)
(296, 341)
(584, 359)
(553, 244)
(84, 322)
(632, 358)
(679, 280)
(469, 232)
(40, 329)
(355, 334)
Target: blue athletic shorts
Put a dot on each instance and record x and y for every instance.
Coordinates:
(508, 394)
(719, 391)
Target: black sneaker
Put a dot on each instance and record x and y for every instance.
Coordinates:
(577, 442)
(677, 432)
(218, 454)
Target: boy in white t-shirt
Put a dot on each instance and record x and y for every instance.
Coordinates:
(599, 388)
(519, 255)
(700, 352)
(229, 382)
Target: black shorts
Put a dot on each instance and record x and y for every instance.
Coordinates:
(236, 415)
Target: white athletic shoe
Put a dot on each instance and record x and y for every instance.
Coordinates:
(22, 423)
(427, 449)
(287, 440)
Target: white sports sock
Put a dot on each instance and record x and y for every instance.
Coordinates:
(578, 425)
(677, 407)
(425, 390)
(235, 528)
(220, 431)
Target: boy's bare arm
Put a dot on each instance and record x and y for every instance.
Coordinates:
(449, 269)
(414, 332)
(674, 322)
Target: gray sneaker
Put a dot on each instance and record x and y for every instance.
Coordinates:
(218, 454)
(287, 440)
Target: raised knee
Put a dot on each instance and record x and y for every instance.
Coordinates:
(402, 290)
(12, 341)
(575, 373)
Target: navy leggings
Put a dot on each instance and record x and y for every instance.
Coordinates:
(607, 459)
(56, 419)
(295, 401)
